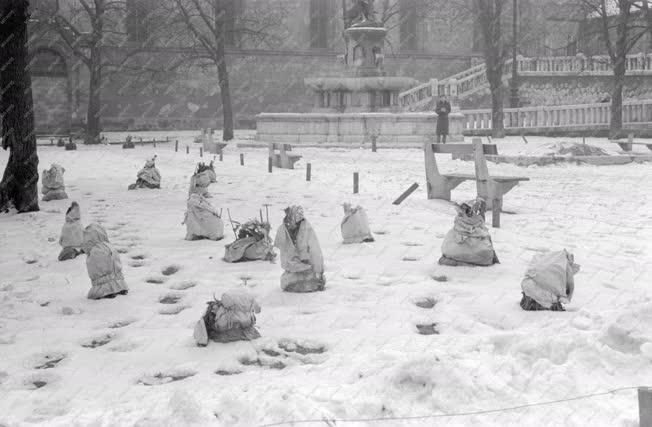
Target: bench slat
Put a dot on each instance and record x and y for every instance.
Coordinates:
(463, 149)
(471, 177)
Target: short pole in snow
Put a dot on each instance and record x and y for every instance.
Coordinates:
(51, 141)
(645, 406)
(373, 145)
(269, 164)
(141, 142)
(583, 140)
(308, 171)
(176, 145)
(405, 194)
(241, 159)
(356, 181)
(221, 156)
(187, 150)
(524, 139)
(201, 152)
(154, 142)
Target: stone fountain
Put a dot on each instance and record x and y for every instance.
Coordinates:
(359, 107)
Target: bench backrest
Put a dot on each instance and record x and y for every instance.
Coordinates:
(491, 149)
(277, 146)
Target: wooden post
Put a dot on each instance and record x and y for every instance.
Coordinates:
(308, 171)
(583, 140)
(176, 145)
(405, 194)
(481, 170)
(269, 164)
(187, 150)
(221, 156)
(524, 138)
(356, 180)
(154, 142)
(141, 142)
(645, 406)
(373, 144)
(241, 159)
(201, 152)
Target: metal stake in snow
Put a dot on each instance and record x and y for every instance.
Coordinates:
(356, 180)
(201, 152)
(308, 171)
(241, 159)
(187, 150)
(645, 406)
(269, 164)
(221, 156)
(176, 145)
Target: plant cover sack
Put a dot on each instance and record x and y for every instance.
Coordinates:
(253, 243)
(233, 318)
(53, 187)
(148, 176)
(301, 255)
(355, 225)
(202, 220)
(469, 242)
(103, 264)
(72, 234)
(549, 280)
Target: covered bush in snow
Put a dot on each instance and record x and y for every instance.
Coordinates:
(72, 234)
(103, 264)
(253, 243)
(469, 242)
(53, 187)
(301, 256)
(202, 220)
(549, 281)
(148, 176)
(232, 318)
(355, 225)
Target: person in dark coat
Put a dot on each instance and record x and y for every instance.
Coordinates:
(442, 109)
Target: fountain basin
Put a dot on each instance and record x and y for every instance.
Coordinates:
(354, 129)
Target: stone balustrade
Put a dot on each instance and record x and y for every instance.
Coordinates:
(561, 116)
(475, 78)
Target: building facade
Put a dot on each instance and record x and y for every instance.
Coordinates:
(301, 38)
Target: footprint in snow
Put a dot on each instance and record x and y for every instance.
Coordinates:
(170, 270)
(121, 323)
(170, 299)
(160, 378)
(426, 303)
(411, 244)
(97, 341)
(223, 372)
(171, 311)
(262, 362)
(48, 360)
(157, 280)
(428, 329)
(39, 380)
(183, 285)
(305, 347)
(410, 258)
(136, 264)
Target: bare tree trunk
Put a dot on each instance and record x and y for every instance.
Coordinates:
(616, 120)
(223, 76)
(488, 13)
(93, 113)
(19, 185)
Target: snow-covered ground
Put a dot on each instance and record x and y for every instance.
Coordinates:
(364, 356)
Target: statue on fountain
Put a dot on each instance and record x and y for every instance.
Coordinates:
(361, 14)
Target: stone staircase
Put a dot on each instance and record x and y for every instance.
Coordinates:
(472, 80)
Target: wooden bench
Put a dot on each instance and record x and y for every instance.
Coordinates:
(627, 146)
(491, 189)
(282, 159)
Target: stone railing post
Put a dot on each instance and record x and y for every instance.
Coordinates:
(434, 88)
(455, 105)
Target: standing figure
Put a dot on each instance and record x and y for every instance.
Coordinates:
(72, 234)
(301, 256)
(442, 109)
(103, 264)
